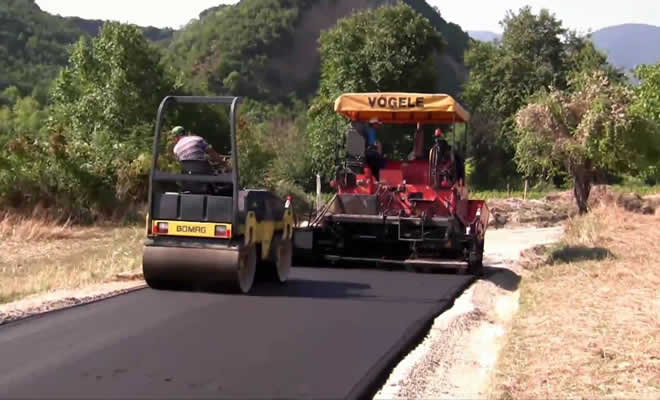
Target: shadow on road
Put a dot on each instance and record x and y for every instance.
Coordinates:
(503, 278)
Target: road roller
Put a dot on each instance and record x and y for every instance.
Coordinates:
(203, 229)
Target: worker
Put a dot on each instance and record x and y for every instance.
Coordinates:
(444, 147)
(372, 141)
(445, 160)
(374, 153)
(192, 147)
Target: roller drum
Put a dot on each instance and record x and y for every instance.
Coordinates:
(167, 266)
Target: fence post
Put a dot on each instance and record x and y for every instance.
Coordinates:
(526, 185)
(318, 192)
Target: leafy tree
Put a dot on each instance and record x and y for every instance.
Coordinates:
(535, 53)
(384, 49)
(104, 105)
(647, 106)
(586, 128)
(10, 95)
(648, 91)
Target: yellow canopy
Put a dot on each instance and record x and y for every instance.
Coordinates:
(401, 108)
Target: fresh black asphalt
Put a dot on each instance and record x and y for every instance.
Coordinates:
(326, 334)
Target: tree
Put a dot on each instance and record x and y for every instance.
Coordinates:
(535, 53)
(586, 128)
(647, 107)
(389, 48)
(104, 104)
(648, 92)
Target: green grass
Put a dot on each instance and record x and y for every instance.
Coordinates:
(642, 190)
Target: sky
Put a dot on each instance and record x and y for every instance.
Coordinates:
(581, 15)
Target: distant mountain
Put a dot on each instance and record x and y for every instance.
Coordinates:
(629, 45)
(484, 36)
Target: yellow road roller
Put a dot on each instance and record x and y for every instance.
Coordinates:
(203, 228)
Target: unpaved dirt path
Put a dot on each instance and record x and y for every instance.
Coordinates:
(458, 356)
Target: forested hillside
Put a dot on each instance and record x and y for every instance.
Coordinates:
(78, 97)
(34, 44)
(262, 49)
(268, 49)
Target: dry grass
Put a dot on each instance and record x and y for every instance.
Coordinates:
(589, 322)
(41, 255)
(38, 228)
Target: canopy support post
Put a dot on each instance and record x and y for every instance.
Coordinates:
(453, 124)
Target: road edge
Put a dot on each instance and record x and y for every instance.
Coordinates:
(379, 373)
(73, 302)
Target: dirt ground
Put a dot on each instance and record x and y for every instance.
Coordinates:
(589, 320)
(558, 207)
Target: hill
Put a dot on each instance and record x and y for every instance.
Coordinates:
(265, 49)
(629, 45)
(91, 27)
(33, 44)
(268, 49)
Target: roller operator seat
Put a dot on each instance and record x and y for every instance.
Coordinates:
(356, 145)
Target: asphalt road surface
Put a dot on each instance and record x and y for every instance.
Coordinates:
(326, 334)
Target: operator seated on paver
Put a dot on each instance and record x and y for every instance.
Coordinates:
(374, 153)
(445, 165)
(191, 152)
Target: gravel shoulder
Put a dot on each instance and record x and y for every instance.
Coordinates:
(457, 358)
(61, 299)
